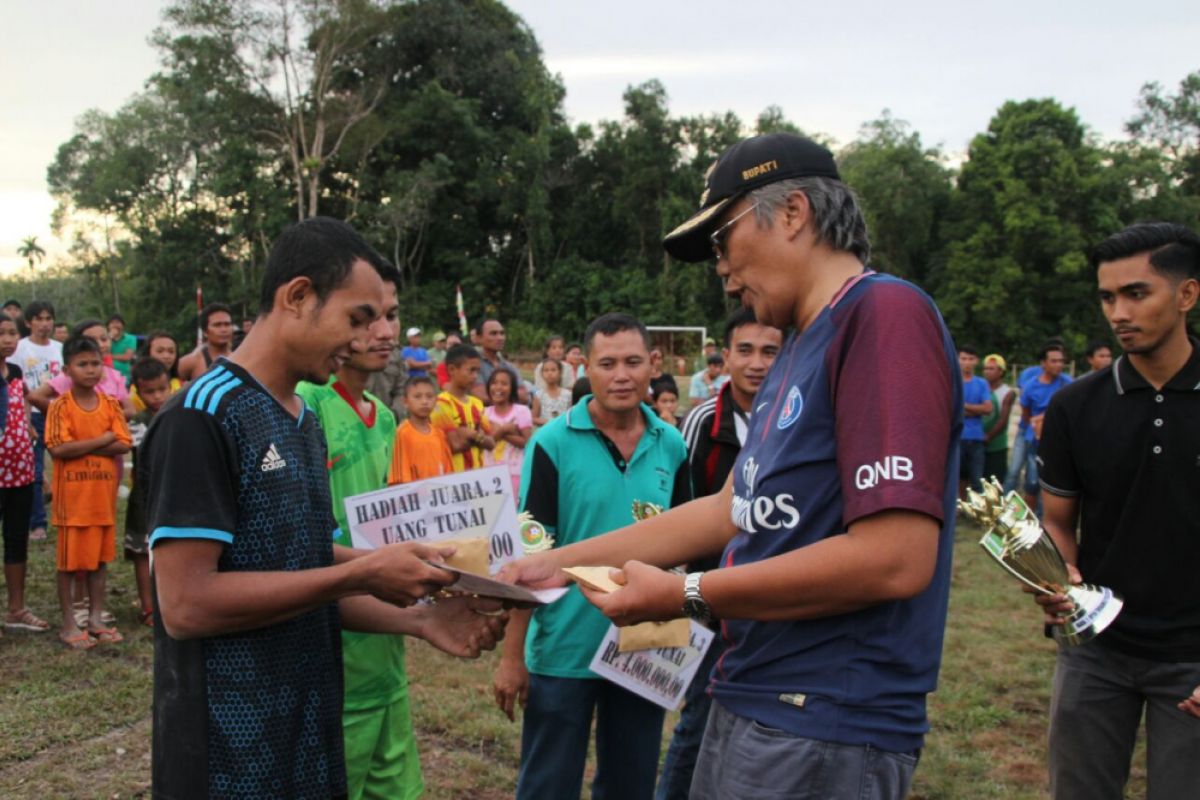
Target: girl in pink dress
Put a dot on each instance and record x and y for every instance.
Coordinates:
(511, 426)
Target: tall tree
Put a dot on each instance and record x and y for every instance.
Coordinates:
(1031, 198)
(905, 191)
(1162, 159)
(292, 52)
(33, 253)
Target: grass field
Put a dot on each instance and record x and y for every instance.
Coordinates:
(77, 725)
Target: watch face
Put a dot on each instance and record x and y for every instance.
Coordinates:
(696, 609)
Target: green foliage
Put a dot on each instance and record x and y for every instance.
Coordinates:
(435, 128)
(1031, 198)
(905, 191)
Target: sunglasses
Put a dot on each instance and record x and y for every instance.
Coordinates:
(719, 236)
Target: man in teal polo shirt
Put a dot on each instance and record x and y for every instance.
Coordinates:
(582, 474)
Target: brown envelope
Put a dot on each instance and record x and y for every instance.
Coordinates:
(593, 578)
(649, 635)
(471, 555)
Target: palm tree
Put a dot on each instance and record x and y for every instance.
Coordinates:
(32, 252)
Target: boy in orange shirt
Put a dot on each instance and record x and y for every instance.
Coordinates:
(421, 450)
(459, 414)
(84, 431)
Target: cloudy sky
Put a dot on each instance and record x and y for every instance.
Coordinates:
(943, 66)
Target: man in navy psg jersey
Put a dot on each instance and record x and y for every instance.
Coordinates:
(837, 522)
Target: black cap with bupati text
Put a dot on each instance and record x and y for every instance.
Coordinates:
(749, 164)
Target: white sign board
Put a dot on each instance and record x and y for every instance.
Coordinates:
(661, 675)
(463, 505)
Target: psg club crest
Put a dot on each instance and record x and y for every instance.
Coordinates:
(791, 409)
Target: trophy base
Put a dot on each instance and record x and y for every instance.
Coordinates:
(1095, 609)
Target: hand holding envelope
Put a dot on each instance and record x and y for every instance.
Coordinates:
(603, 589)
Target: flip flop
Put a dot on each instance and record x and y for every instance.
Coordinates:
(26, 620)
(146, 618)
(80, 641)
(106, 635)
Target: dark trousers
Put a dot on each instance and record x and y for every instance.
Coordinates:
(1099, 696)
(14, 505)
(680, 762)
(555, 734)
(971, 462)
(38, 518)
(742, 759)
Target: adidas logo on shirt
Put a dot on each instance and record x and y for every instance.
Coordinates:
(272, 460)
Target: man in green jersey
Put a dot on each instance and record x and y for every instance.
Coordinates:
(381, 753)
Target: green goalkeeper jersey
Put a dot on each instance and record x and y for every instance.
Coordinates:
(360, 452)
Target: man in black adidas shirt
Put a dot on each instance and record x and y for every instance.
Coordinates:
(251, 593)
(1120, 456)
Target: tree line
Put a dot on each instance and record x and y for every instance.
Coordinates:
(436, 129)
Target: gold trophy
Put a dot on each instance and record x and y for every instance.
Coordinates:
(1016, 540)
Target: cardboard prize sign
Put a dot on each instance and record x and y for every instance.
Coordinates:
(462, 505)
(661, 675)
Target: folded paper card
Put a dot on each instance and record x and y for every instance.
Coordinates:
(652, 635)
(595, 578)
(470, 583)
(470, 555)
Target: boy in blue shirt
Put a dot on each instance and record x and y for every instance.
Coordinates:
(977, 404)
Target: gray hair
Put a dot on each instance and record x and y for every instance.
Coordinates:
(836, 212)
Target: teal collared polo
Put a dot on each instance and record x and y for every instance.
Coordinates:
(576, 483)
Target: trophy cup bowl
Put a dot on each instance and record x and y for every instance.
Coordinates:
(1016, 540)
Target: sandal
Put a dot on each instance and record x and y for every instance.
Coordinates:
(106, 635)
(26, 620)
(146, 618)
(80, 641)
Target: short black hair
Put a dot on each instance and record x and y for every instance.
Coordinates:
(80, 327)
(13, 302)
(580, 389)
(968, 349)
(213, 308)
(4, 317)
(460, 353)
(77, 345)
(39, 307)
(148, 369)
(1048, 348)
(115, 318)
(739, 318)
(611, 324)
(417, 380)
(715, 358)
(1094, 345)
(323, 250)
(571, 346)
(660, 387)
(514, 383)
(61, 324)
(1174, 249)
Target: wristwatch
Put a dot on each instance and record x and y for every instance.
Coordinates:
(694, 605)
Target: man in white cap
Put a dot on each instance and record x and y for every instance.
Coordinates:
(416, 358)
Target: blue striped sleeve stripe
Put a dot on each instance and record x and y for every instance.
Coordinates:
(212, 386)
(198, 386)
(217, 394)
(190, 533)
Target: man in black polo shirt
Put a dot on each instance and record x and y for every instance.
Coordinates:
(1120, 454)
